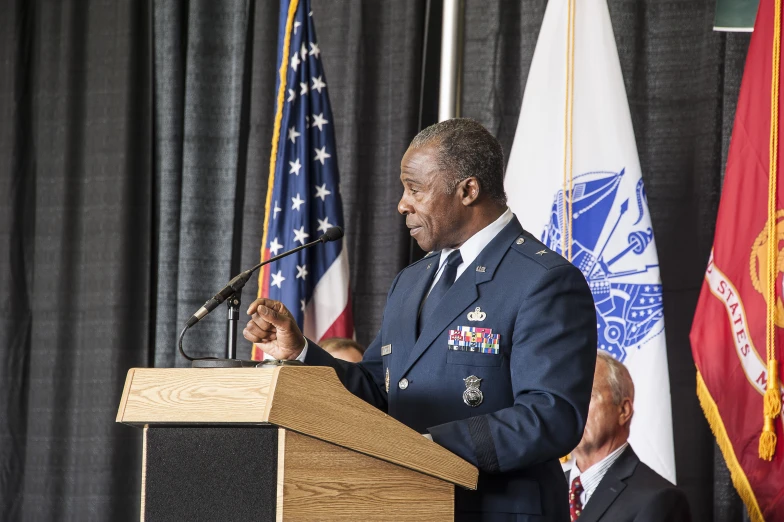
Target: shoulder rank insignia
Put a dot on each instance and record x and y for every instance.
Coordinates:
(386, 381)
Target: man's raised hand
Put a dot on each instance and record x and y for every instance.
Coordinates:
(273, 329)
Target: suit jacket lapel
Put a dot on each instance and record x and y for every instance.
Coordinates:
(425, 271)
(613, 483)
(463, 292)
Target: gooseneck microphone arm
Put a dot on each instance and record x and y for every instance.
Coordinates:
(238, 282)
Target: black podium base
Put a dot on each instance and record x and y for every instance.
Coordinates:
(195, 473)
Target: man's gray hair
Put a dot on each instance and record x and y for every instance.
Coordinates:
(465, 149)
(618, 378)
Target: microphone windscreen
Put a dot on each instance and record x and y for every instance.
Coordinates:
(332, 234)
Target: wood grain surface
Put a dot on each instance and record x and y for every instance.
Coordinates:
(306, 399)
(144, 473)
(312, 400)
(196, 395)
(324, 482)
(281, 474)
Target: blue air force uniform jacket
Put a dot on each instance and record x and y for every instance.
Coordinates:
(535, 387)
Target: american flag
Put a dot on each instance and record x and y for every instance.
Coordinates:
(303, 198)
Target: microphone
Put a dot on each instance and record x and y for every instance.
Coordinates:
(238, 282)
(332, 234)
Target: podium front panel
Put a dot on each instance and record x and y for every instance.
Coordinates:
(210, 473)
(326, 483)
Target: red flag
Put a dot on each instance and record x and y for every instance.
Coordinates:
(736, 335)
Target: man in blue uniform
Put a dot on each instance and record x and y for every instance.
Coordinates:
(487, 345)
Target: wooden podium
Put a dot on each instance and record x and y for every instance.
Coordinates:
(280, 443)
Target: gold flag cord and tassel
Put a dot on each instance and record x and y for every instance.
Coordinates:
(772, 398)
(280, 99)
(568, 177)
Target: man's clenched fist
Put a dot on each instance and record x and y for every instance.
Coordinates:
(274, 330)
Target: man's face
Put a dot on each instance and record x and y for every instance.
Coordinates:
(433, 216)
(605, 419)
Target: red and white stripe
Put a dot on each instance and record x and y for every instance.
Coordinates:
(328, 313)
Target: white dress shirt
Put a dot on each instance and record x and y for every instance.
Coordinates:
(591, 477)
(473, 246)
(469, 251)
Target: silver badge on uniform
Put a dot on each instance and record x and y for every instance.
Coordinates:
(472, 396)
(476, 315)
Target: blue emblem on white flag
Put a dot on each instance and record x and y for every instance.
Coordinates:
(575, 130)
(609, 242)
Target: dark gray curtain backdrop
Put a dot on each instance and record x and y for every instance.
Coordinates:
(76, 188)
(134, 155)
(372, 57)
(215, 93)
(199, 71)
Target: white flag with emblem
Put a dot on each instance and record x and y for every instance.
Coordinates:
(575, 137)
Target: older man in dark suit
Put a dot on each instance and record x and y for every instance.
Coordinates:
(487, 345)
(608, 481)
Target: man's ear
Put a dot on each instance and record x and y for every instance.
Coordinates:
(469, 190)
(626, 412)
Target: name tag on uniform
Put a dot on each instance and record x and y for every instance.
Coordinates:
(473, 339)
(386, 349)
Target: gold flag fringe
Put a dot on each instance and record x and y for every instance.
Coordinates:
(737, 474)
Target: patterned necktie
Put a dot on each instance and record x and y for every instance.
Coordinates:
(575, 504)
(440, 288)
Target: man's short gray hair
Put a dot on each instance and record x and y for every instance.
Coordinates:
(465, 149)
(618, 378)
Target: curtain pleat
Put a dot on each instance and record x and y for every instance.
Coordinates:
(75, 302)
(197, 112)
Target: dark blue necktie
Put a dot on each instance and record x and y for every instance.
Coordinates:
(440, 288)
